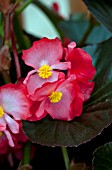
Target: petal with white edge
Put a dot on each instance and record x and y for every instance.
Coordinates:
(12, 124)
(45, 51)
(36, 82)
(9, 137)
(62, 110)
(14, 102)
(61, 65)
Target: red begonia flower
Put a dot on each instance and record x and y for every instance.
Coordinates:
(81, 63)
(14, 106)
(44, 56)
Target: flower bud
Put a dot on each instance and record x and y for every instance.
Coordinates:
(5, 59)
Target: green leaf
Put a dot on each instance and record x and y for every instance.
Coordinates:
(73, 30)
(53, 16)
(97, 35)
(103, 157)
(102, 10)
(102, 59)
(97, 113)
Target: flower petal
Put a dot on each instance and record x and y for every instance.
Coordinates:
(9, 137)
(12, 124)
(45, 51)
(14, 101)
(38, 111)
(81, 64)
(62, 65)
(86, 89)
(2, 124)
(77, 106)
(62, 109)
(45, 90)
(35, 81)
(71, 46)
(28, 75)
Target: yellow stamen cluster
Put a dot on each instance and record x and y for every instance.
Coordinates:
(45, 71)
(55, 97)
(1, 112)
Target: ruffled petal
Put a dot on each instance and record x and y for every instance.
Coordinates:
(28, 75)
(77, 107)
(45, 51)
(14, 101)
(12, 124)
(81, 64)
(36, 82)
(38, 111)
(9, 137)
(86, 89)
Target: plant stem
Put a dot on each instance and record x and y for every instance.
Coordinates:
(5, 73)
(6, 29)
(21, 9)
(15, 53)
(26, 153)
(66, 157)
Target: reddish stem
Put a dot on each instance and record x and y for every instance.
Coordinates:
(6, 29)
(15, 53)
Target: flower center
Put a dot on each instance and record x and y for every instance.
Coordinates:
(0, 134)
(55, 97)
(1, 112)
(45, 71)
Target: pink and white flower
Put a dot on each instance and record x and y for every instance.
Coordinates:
(14, 106)
(56, 99)
(44, 56)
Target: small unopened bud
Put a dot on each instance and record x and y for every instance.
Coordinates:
(5, 59)
(55, 6)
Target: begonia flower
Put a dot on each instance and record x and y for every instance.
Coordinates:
(56, 99)
(44, 56)
(62, 100)
(81, 63)
(14, 106)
